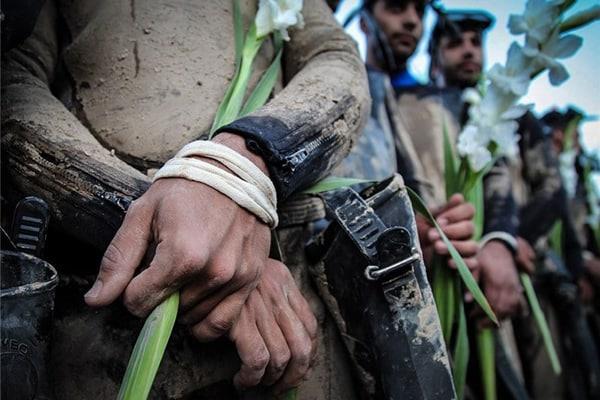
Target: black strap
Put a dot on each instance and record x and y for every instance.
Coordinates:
(356, 218)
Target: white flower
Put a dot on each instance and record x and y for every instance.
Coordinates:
(278, 15)
(492, 105)
(537, 21)
(473, 143)
(506, 139)
(516, 111)
(517, 84)
(480, 158)
(516, 61)
(567, 171)
(554, 48)
(471, 96)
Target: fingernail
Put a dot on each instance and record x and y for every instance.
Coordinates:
(94, 291)
(442, 221)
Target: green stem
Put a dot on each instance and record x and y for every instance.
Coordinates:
(580, 19)
(487, 360)
(291, 394)
(538, 315)
(461, 347)
(251, 47)
(444, 294)
(148, 350)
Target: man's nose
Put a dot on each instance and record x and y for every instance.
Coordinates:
(468, 53)
(411, 18)
(468, 50)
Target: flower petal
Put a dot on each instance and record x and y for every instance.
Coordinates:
(480, 159)
(278, 15)
(264, 19)
(516, 111)
(566, 46)
(517, 24)
(471, 96)
(558, 74)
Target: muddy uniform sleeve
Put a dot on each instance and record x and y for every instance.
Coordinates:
(48, 152)
(499, 204)
(540, 169)
(29, 107)
(309, 127)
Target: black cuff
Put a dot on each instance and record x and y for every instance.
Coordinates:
(295, 157)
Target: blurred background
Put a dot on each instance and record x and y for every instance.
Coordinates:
(581, 90)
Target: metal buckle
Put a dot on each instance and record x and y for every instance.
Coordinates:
(374, 273)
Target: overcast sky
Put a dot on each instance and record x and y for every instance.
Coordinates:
(582, 89)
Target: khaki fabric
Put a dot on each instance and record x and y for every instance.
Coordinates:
(146, 77)
(130, 82)
(421, 120)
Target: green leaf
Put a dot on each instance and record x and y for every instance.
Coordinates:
(148, 350)
(487, 360)
(571, 132)
(566, 5)
(265, 86)
(230, 106)
(450, 168)
(291, 394)
(463, 270)
(238, 31)
(460, 354)
(555, 237)
(580, 19)
(238, 34)
(444, 294)
(540, 319)
(475, 196)
(333, 182)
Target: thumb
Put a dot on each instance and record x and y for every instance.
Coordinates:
(122, 257)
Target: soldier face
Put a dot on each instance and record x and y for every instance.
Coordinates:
(461, 59)
(402, 24)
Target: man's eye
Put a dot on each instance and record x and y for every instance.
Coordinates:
(454, 43)
(395, 9)
(476, 42)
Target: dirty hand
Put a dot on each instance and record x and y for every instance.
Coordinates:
(500, 279)
(205, 245)
(586, 290)
(456, 220)
(525, 257)
(276, 334)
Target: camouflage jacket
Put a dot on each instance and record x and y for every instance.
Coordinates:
(541, 197)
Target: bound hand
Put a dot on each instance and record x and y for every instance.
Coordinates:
(206, 246)
(276, 334)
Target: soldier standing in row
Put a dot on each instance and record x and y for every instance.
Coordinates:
(416, 116)
(103, 93)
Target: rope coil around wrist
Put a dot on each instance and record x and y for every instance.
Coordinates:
(248, 186)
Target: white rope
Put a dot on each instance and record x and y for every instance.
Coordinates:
(233, 160)
(250, 189)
